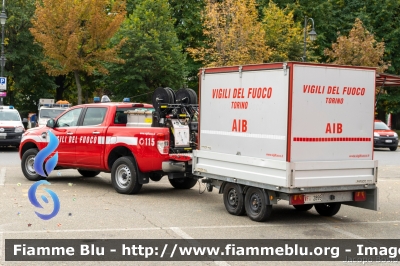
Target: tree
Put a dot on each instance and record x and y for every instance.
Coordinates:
(75, 35)
(152, 53)
(282, 34)
(235, 35)
(27, 80)
(358, 49)
(189, 29)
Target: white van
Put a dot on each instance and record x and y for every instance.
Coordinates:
(50, 110)
(11, 127)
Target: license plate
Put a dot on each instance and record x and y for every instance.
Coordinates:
(309, 198)
(388, 141)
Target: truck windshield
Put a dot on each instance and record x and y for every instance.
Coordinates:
(50, 113)
(381, 126)
(9, 116)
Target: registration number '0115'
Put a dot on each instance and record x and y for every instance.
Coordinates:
(309, 198)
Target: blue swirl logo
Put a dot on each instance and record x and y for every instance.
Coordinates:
(44, 169)
(39, 165)
(35, 202)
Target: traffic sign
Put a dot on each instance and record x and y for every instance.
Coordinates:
(3, 84)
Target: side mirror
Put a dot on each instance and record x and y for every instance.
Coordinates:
(51, 123)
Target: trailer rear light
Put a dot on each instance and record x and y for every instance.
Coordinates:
(297, 199)
(162, 143)
(360, 196)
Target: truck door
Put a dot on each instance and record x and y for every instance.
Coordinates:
(64, 130)
(90, 145)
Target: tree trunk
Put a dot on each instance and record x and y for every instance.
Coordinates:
(78, 85)
(60, 82)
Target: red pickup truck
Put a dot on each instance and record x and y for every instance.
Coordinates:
(97, 137)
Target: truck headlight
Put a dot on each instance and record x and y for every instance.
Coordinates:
(395, 135)
(376, 134)
(19, 129)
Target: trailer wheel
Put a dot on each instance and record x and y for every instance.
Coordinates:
(28, 158)
(183, 183)
(303, 208)
(124, 177)
(327, 209)
(234, 200)
(86, 173)
(256, 204)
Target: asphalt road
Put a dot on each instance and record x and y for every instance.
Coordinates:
(91, 209)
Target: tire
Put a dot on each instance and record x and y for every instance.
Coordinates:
(393, 148)
(256, 205)
(234, 200)
(303, 208)
(327, 209)
(183, 183)
(86, 173)
(27, 161)
(124, 176)
(155, 177)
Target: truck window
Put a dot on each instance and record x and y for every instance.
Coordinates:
(94, 116)
(69, 119)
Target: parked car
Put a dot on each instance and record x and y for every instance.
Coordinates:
(384, 137)
(11, 127)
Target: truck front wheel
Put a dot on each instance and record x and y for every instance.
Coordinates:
(124, 176)
(234, 200)
(183, 183)
(327, 209)
(256, 204)
(28, 158)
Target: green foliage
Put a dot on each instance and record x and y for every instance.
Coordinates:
(282, 34)
(27, 78)
(152, 53)
(189, 29)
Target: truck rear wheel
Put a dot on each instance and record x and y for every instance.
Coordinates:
(327, 209)
(303, 208)
(183, 183)
(124, 177)
(28, 158)
(234, 200)
(256, 204)
(87, 173)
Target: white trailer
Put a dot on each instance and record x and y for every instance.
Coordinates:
(295, 131)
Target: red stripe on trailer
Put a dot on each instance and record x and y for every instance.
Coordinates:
(348, 139)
